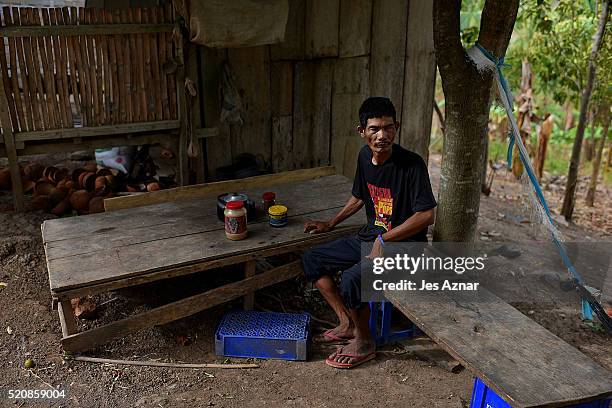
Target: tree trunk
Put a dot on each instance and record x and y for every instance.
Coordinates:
(590, 197)
(468, 99)
(545, 132)
(569, 116)
(589, 142)
(572, 176)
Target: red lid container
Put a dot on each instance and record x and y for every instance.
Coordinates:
(269, 196)
(235, 205)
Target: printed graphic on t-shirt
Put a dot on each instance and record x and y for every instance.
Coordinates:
(383, 205)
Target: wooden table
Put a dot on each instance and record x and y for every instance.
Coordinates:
(98, 253)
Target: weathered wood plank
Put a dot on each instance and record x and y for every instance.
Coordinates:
(281, 85)
(251, 67)
(179, 309)
(355, 21)
(186, 218)
(206, 190)
(93, 29)
(282, 143)
(292, 47)
(249, 271)
(66, 316)
(9, 145)
(524, 363)
(419, 79)
(98, 130)
(312, 113)
(351, 87)
(322, 28)
(149, 257)
(218, 151)
(389, 51)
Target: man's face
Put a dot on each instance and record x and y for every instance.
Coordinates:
(379, 134)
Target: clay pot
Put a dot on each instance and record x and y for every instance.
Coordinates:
(5, 179)
(96, 205)
(28, 185)
(79, 200)
(89, 181)
(153, 187)
(57, 195)
(100, 182)
(60, 174)
(75, 175)
(62, 207)
(49, 172)
(69, 184)
(104, 172)
(33, 171)
(41, 202)
(43, 187)
(133, 189)
(91, 167)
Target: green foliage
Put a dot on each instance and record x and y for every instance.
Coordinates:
(556, 37)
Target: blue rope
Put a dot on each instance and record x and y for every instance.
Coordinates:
(499, 64)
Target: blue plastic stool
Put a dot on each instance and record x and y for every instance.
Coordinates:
(381, 333)
(485, 397)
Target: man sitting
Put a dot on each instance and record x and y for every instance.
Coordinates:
(394, 186)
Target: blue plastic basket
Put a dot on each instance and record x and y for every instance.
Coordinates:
(263, 335)
(485, 397)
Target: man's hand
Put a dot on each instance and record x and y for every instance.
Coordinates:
(317, 227)
(377, 250)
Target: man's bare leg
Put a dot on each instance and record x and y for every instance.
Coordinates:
(329, 290)
(362, 344)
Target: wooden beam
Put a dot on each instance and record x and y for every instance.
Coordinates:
(93, 29)
(209, 189)
(203, 133)
(67, 319)
(98, 130)
(11, 151)
(179, 309)
(249, 271)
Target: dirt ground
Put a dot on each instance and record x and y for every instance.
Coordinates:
(30, 329)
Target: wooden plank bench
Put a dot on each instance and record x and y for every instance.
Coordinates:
(97, 253)
(522, 362)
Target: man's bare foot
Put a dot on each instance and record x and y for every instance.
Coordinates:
(341, 333)
(354, 353)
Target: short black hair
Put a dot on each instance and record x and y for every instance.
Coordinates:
(376, 107)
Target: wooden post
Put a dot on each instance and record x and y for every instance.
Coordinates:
(67, 319)
(249, 270)
(9, 146)
(183, 171)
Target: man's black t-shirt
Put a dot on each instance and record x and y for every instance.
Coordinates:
(392, 191)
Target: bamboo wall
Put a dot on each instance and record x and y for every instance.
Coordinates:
(75, 79)
(302, 96)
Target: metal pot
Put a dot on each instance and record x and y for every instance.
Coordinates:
(224, 198)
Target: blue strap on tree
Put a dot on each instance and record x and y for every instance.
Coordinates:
(507, 95)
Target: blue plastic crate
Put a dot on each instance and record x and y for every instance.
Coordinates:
(263, 335)
(484, 397)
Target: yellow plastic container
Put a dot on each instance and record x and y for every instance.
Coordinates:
(277, 215)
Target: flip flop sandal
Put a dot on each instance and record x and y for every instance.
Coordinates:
(359, 359)
(329, 338)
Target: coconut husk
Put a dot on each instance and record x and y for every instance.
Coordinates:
(62, 207)
(91, 167)
(28, 185)
(96, 205)
(153, 187)
(33, 171)
(41, 202)
(43, 187)
(79, 200)
(5, 179)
